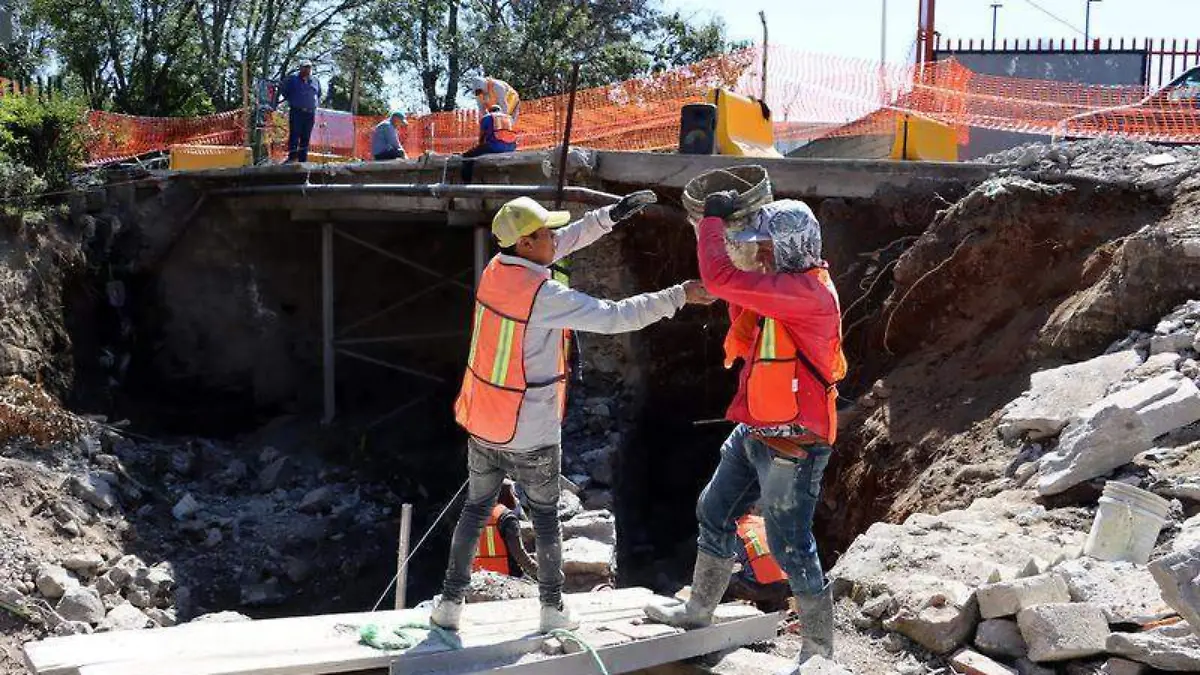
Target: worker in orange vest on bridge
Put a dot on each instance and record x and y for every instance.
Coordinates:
(497, 135)
(785, 327)
(513, 393)
(500, 547)
(492, 92)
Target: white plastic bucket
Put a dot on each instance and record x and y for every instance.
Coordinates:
(1127, 524)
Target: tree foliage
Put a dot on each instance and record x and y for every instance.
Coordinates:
(184, 57)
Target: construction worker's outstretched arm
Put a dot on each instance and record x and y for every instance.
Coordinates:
(597, 223)
(510, 530)
(560, 307)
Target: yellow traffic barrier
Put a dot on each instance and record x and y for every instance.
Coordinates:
(923, 139)
(743, 125)
(196, 157)
(323, 158)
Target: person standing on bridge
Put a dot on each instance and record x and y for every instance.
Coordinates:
(513, 393)
(491, 92)
(302, 91)
(786, 328)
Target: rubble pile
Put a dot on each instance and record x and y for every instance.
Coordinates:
(1111, 160)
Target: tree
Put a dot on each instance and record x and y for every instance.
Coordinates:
(427, 40)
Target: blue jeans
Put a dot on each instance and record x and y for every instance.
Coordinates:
(537, 472)
(300, 126)
(789, 489)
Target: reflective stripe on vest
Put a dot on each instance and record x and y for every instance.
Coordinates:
(753, 533)
(494, 385)
(492, 553)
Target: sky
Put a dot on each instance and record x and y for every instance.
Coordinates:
(853, 27)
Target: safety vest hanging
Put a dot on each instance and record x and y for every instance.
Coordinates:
(493, 553)
(494, 385)
(753, 533)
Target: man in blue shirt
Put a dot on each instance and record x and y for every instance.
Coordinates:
(496, 136)
(302, 91)
(385, 140)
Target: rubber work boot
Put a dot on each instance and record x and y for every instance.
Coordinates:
(446, 614)
(558, 618)
(709, 582)
(816, 625)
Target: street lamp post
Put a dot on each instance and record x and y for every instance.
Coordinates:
(995, 12)
(1087, 23)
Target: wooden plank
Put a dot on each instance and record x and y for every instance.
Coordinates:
(632, 656)
(197, 641)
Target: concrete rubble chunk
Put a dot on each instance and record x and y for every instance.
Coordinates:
(938, 629)
(1027, 667)
(819, 665)
(1127, 592)
(1093, 446)
(1173, 412)
(587, 556)
(1178, 578)
(94, 490)
(81, 603)
(1063, 632)
(1056, 395)
(879, 606)
(53, 581)
(221, 617)
(974, 663)
(162, 617)
(84, 563)
(569, 505)
(276, 474)
(318, 500)
(1175, 342)
(185, 508)
(125, 569)
(1189, 535)
(125, 617)
(1119, 666)
(1006, 598)
(1000, 638)
(747, 662)
(931, 564)
(1165, 362)
(1140, 395)
(1174, 647)
(600, 526)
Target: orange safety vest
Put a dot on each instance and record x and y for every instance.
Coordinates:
(502, 127)
(776, 365)
(494, 386)
(752, 531)
(492, 554)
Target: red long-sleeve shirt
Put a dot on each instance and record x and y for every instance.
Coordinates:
(801, 302)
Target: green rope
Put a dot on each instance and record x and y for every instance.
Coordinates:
(405, 636)
(564, 634)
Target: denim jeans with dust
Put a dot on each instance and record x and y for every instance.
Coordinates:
(537, 472)
(789, 489)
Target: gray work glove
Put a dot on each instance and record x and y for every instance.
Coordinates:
(721, 204)
(630, 204)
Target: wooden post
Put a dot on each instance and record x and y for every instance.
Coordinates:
(402, 554)
(566, 144)
(762, 16)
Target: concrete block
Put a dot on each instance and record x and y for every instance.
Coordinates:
(1000, 638)
(1058, 394)
(1093, 446)
(587, 556)
(1126, 592)
(974, 663)
(1176, 342)
(1006, 598)
(1177, 410)
(938, 629)
(1063, 632)
(596, 639)
(1140, 395)
(1174, 648)
(1178, 579)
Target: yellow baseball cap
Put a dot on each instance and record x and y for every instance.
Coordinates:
(524, 216)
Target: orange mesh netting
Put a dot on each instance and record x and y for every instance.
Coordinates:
(811, 96)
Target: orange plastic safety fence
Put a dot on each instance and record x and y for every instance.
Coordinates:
(810, 95)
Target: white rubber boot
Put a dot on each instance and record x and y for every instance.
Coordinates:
(709, 581)
(446, 614)
(558, 618)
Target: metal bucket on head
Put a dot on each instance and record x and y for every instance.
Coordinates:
(750, 182)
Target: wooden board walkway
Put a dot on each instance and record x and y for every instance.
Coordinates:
(496, 636)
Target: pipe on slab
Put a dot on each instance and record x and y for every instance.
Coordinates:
(579, 195)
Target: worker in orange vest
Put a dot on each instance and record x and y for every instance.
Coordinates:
(513, 393)
(497, 135)
(500, 547)
(785, 327)
(760, 580)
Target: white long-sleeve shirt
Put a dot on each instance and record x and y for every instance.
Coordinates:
(557, 307)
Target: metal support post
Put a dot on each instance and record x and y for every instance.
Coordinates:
(402, 554)
(481, 252)
(327, 337)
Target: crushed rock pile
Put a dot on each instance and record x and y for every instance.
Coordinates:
(1114, 161)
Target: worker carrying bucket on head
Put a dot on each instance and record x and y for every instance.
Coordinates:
(763, 258)
(513, 393)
